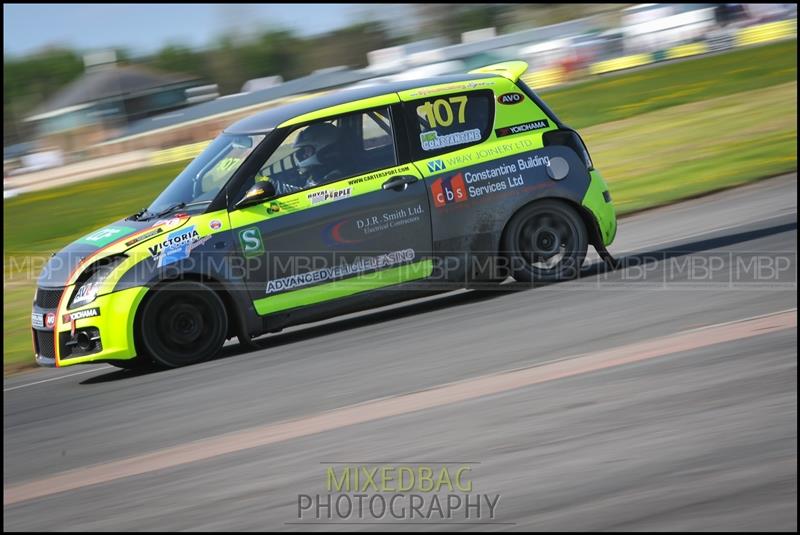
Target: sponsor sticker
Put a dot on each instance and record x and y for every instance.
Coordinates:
(343, 270)
(215, 224)
(285, 204)
(447, 190)
(358, 230)
(521, 128)
(379, 174)
(86, 293)
(451, 87)
(37, 319)
(329, 195)
(250, 239)
(197, 243)
(532, 162)
(143, 237)
(488, 152)
(435, 166)
(81, 314)
(175, 247)
(483, 180)
(433, 141)
(170, 223)
(510, 98)
(104, 236)
(50, 320)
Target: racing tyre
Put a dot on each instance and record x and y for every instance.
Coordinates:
(182, 323)
(545, 242)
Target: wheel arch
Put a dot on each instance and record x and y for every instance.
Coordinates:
(589, 221)
(236, 320)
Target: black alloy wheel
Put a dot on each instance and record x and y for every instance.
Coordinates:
(545, 242)
(182, 323)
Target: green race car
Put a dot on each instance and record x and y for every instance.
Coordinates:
(346, 201)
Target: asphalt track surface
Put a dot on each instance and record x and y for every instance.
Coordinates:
(617, 412)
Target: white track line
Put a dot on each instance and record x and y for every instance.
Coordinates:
(57, 378)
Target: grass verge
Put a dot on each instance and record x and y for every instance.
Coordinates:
(627, 94)
(680, 152)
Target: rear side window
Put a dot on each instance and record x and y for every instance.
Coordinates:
(450, 122)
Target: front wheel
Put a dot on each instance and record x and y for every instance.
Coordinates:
(182, 323)
(545, 242)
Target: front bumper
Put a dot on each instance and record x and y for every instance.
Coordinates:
(45, 362)
(110, 330)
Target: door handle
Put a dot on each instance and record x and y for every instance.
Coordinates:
(399, 183)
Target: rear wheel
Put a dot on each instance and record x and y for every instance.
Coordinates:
(545, 241)
(182, 323)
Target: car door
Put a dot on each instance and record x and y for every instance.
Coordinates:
(448, 129)
(366, 226)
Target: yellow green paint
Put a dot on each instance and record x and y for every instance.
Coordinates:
(510, 70)
(116, 310)
(343, 288)
(603, 211)
(348, 107)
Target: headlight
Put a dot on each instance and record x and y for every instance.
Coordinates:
(88, 290)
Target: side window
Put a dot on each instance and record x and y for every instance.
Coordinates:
(330, 150)
(377, 131)
(281, 160)
(450, 122)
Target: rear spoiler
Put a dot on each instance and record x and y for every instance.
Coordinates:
(508, 69)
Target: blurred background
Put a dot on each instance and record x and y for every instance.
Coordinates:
(106, 106)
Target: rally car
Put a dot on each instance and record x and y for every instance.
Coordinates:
(350, 200)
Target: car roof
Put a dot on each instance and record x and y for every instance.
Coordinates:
(273, 117)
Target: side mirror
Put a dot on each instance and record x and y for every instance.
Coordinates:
(259, 192)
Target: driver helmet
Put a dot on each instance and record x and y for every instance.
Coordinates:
(313, 145)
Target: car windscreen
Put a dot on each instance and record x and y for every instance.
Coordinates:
(208, 173)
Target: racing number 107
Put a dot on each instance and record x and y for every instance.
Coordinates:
(440, 111)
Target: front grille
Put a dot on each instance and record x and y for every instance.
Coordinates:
(48, 297)
(44, 344)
